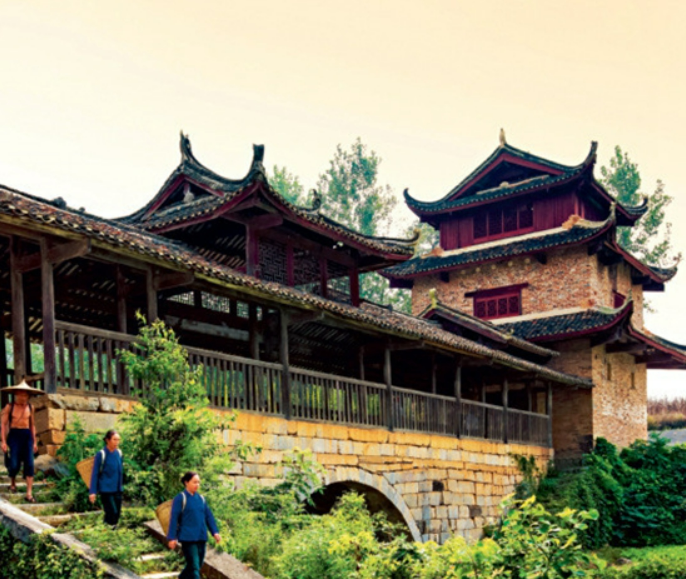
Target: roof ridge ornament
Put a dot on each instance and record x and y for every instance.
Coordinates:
(433, 298)
(185, 147)
(501, 137)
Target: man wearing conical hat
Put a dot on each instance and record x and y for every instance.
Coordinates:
(19, 436)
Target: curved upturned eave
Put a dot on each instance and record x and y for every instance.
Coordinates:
(457, 191)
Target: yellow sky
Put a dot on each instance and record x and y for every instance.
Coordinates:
(93, 94)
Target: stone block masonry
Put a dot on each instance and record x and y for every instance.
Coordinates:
(439, 484)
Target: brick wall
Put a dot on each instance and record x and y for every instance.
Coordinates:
(545, 292)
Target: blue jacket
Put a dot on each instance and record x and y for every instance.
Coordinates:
(107, 477)
(191, 523)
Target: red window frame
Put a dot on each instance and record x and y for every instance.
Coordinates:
(618, 299)
(497, 303)
(500, 222)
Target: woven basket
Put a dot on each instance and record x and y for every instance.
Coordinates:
(85, 468)
(163, 513)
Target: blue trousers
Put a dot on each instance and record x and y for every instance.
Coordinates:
(20, 442)
(194, 553)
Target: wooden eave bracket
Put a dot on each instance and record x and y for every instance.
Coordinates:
(56, 255)
(171, 280)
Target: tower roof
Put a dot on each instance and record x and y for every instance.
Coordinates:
(510, 172)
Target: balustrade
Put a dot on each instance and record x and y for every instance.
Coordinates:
(87, 359)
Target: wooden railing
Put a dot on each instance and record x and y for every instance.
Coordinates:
(239, 383)
(424, 412)
(317, 396)
(527, 427)
(87, 359)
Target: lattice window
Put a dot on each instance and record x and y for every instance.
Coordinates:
(184, 298)
(498, 304)
(500, 222)
(273, 261)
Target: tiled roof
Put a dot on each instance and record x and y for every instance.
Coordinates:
(508, 248)
(458, 199)
(22, 209)
(559, 326)
(483, 327)
(227, 192)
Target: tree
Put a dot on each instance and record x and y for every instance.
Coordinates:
(352, 196)
(287, 185)
(650, 238)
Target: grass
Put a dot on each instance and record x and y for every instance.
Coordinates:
(666, 413)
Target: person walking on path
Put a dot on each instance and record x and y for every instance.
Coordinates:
(19, 436)
(190, 519)
(107, 478)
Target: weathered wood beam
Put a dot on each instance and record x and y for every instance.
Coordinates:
(122, 292)
(434, 377)
(206, 329)
(506, 404)
(627, 348)
(355, 287)
(284, 359)
(18, 323)
(48, 295)
(56, 254)
(151, 295)
(549, 410)
(254, 336)
(388, 380)
(458, 398)
(167, 281)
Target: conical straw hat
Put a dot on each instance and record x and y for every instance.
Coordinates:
(23, 387)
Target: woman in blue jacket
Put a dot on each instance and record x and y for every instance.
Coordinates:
(107, 479)
(190, 519)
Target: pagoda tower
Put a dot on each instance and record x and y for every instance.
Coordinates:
(530, 246)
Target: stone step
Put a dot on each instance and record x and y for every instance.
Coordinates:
(36, 509)
(152, 557)
(5, 486)
(58, 520)
(163, 575)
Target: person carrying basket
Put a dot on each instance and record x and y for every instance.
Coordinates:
(19, 436)
(190, 519)
(107, 478)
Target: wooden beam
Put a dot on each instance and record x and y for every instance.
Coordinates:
(388, 380)
(628, 348)
(266, 221)
(169, 281)
(506, 402)
(355, 287)
(56, 254)
(151, 295)
(254, 336)
(121, 299)
(48, 298)
(286, 375)
(3, 362)
(18, 323)
(305, 317)
(251, 251)
(360, 357)
(458, 398)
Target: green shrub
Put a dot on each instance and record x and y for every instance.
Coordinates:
(651, 563)
(172, 430)
(122, 545)
(77, 446)
(41, 558)
(639, 493)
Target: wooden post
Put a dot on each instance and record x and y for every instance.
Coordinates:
(550, 414)
(290, 265)
(433, 373)
(251, 251)
(360, 355)
(286, 376)
(458, 398)
(388, 379)
(151, 294)
(28, 366)
(354, 287)
(197, 301)
(48, 295)
(252, 332)
(18, 324)
(506, 395)
(121, 300)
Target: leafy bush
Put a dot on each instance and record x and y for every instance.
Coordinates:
(652, 563)
(640, 493)
(77, 446)
(122, 545)
(41, 558)
(172, 430)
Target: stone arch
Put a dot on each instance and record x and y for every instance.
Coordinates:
(358, 479)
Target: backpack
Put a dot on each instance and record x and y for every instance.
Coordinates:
(102, 459)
